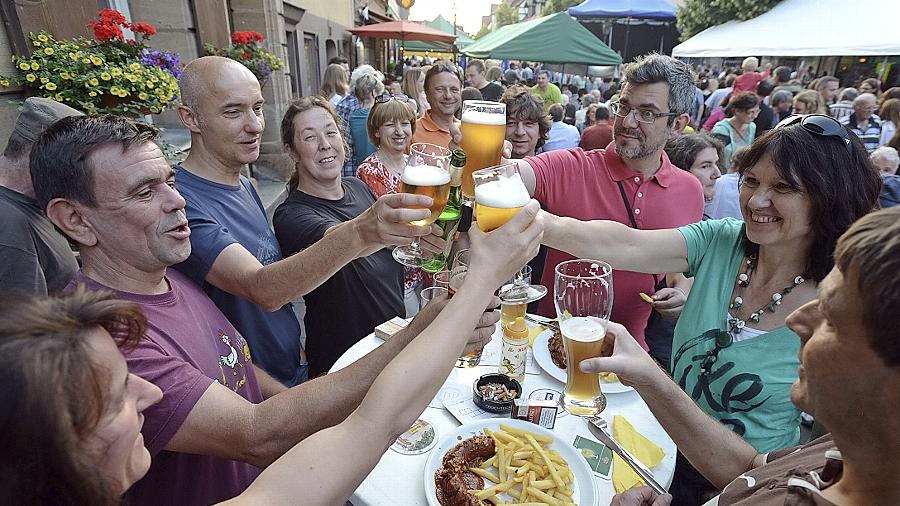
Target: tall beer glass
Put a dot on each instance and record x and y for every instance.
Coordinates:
(426, 173)
(583, 295)
(457, 276)
(483, 132)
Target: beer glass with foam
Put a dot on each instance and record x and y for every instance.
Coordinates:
(499, 195)
(483, 132)
(427, 172)
(583, 295)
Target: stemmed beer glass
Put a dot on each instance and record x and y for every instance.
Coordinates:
(583, 295)
(426, 173)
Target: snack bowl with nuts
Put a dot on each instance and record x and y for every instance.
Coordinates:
(495, 392)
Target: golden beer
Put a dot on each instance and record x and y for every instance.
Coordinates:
(430, 181)
(496, 202)
(483, 134)
(582, 339)
(509, 312)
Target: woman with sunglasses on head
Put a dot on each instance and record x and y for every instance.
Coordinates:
(391, 124)
(802, 184)
(367, 88)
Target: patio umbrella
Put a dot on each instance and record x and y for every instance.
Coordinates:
(403, 30)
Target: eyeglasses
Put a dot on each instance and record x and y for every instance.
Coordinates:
(643, 115)
(822, 125)
(385, 98)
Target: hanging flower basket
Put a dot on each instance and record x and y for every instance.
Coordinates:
(247, 49)
(106, 74)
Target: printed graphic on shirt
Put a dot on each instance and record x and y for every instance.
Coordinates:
(725, 390)
(267, 252)
(233, 362)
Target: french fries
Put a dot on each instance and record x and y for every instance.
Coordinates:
(528, 470)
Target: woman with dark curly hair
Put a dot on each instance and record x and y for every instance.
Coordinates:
(802, 185)
(738, 130)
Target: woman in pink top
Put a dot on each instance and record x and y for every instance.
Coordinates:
(391, 123)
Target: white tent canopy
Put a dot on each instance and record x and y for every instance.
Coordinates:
(805, 28)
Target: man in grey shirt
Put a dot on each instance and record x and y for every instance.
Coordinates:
(34, 258)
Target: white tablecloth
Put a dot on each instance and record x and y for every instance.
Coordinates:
(398, 479)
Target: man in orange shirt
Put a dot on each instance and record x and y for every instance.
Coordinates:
(442, 88)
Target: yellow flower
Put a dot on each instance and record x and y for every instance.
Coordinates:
(105, 76)
(150, 84)
(43, 38)
(93, 81)
(143, 96)
(50, 86)
(4, 82)
(24, 66)
(73, 56)
(36, 43)
(34, 65)
(92, 94)
(30, 77)
(64, 75)
(154, 79)
(48, 51)
(131, 77)
(96, 60)
(58, 97)
(116, 71)
(135, 66)
(44, 80)
(85, 60)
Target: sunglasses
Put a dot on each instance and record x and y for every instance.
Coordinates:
(822, 125)
(385, 98)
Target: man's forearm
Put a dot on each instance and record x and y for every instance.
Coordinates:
(718, 453)
(281, 282)
(289, 417)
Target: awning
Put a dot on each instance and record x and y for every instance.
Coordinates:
(651, 9)
(551, 39)
(439, 23)
(402, 30)
(804, 28)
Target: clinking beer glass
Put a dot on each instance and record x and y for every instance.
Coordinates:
(483, 132)
(583, 295)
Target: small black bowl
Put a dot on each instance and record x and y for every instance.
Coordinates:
(494, 406)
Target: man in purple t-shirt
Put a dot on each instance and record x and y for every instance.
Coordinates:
(107, 186)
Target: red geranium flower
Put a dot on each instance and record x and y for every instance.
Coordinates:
(112, 16)
(106, 31)
(246, 37)
(145, 28)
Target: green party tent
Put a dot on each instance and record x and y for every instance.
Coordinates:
(550, 39)
(439, 23)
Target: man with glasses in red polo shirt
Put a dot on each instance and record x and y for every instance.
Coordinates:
(442, 88)
(631, 181)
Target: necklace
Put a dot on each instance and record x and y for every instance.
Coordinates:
(724, 338)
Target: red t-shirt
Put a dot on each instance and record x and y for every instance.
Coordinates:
(746, 82)
(582, 185)
(596, 136)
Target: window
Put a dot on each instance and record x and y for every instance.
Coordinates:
(293, 63)
(311, 56)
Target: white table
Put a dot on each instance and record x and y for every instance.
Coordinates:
(398, 479)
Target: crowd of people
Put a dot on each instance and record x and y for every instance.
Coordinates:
(165, 364)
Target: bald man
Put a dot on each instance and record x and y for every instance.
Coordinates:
(235, 256)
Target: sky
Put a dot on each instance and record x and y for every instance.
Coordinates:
(468, 12)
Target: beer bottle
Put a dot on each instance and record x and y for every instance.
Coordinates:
(449, 218)
(515, 349)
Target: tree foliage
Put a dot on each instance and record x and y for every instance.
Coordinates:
(554, 6)
(506, 15)
(485, 29)
(697, 15)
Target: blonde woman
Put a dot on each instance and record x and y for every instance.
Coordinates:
(808, 102)
(414, 88)
(334, 84)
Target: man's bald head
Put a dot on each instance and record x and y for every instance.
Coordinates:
(200, 75)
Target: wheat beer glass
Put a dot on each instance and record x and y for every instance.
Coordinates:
(483, 132)
(499, 195)
(583, 295)
(426, 173)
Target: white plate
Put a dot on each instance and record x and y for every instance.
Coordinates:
(584, 486)
(542, 357)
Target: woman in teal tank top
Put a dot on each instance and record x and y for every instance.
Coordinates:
(802, 184)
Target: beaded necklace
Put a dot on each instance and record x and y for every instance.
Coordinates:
(724, 339)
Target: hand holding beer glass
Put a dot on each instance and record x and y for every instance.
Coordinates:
(583, 295)
(426, 173)
(457, 276)
(499, 195)
(483, 132)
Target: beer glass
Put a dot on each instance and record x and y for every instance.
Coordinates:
(583, 295)
(427, 172)
(509, 311)
(499, 195)
(483, 132)
(431, 292)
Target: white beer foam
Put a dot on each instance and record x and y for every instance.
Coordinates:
(425, 175)
(483, 118)
(504, 193)
(582, 329)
